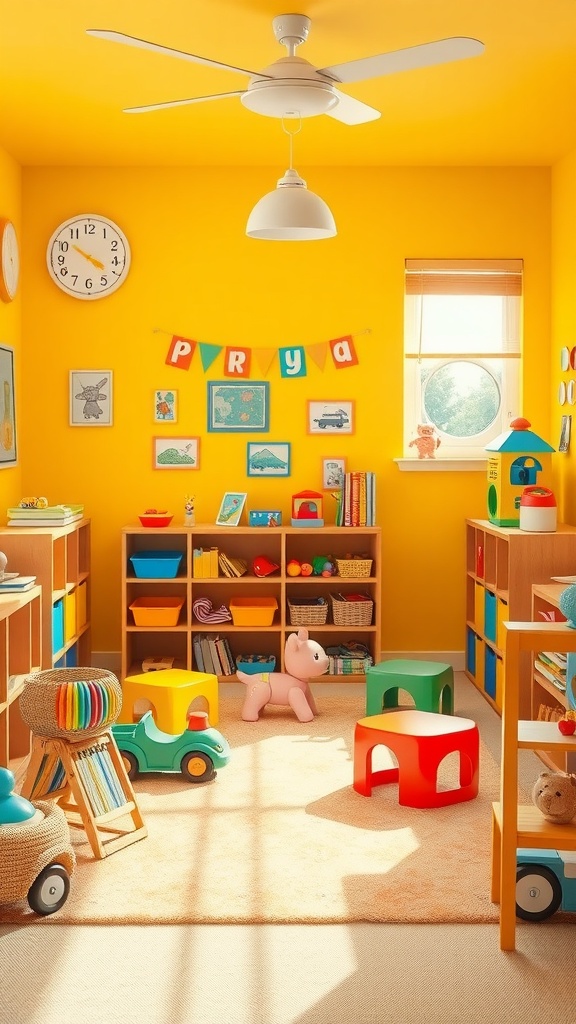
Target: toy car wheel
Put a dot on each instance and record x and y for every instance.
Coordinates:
(50, 890)
(130, 763)
(538, 892)
(197, 767)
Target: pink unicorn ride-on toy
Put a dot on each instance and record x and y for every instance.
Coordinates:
(304, 659)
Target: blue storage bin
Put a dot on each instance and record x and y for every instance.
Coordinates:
(160, 565)
(71, 656)
(258, 663)
(58, 626)
(490, 616)
(490, 673)
(471, 651)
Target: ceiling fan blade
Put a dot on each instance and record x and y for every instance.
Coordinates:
(143, 44)
(180, 103)
(440, 52)
(351, 111)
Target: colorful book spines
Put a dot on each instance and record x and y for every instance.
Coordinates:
(85, 705)
(357, 500)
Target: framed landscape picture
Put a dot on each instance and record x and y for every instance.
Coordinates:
(236, 406)
(176, 452)
(268, 458)
(331, 417)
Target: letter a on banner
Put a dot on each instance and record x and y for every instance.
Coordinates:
(237, 362)
(180, 352)
(292, 362)
(343, 352)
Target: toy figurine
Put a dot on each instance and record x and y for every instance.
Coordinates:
(304, 659)
(189, 517)
(426, 442)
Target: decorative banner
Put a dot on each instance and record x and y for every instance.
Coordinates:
(292, 362)
(318, 354)
(343, 352)
(180, 352)
(208, 353)
(237, 362)
(265, 357)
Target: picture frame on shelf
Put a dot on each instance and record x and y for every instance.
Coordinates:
(333, 473)
(331, 417)
(91, 398)
(268, 458)
(176, 452)
(238, 406)
(165, 405)
(8, 447)
(231, 508)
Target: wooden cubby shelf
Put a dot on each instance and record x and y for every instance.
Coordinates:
(21, 644)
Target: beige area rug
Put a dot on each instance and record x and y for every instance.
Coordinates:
(281, 836)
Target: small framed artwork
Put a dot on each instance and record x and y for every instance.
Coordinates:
(235, 406)
(231, 508)
(565, 432)
(165, 406)
(270, 459)
(331, 417)
(176, 452)
(8, 456)
(333, 472)
(90, 398)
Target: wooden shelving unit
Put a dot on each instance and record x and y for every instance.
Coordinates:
(545, 598)
(502, 564)
(59, 557)
(20, 644)
(279, 545)
(520, 827)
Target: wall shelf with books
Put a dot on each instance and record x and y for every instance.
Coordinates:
(20, 644)
(551, 671)
(354, 636)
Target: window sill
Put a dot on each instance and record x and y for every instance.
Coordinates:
(441, 465)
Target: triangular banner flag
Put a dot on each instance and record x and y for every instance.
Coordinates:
(208, 354)
(318, 353)
(265, 357)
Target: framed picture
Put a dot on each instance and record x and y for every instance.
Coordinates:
(91, 398)
(176, 452)
(331, 417)
(165, 406)
(270, 459)
(333, 471)
(231, 509)
(8, 455)
(235, 406)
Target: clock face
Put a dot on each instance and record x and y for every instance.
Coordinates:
(88, 256)
(9, 261)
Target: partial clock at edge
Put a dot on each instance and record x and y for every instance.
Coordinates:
(9, 260)
(88, 256)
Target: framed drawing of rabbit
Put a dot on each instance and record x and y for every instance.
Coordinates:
(90, 398)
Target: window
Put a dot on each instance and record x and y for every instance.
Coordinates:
(462, 351)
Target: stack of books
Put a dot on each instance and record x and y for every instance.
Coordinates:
(52, 515)
(205, 563)
(357, 500)
(552, 666)
(12, 583)
(232, 566)
(212, 654)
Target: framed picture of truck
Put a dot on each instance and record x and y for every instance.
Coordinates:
(331, 417)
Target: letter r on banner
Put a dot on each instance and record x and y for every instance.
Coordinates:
(180, 352)
(343, 352)
(237, 362)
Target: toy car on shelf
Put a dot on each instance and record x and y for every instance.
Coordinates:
(196, 752)
(545, 883)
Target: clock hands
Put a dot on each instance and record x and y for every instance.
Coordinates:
(95, 262)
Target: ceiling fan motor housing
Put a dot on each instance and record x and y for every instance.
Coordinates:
(293, 88)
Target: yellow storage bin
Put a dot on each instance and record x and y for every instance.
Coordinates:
(502, 616)
(69, 616)
(156, 611)
(81, 612)
(479, 607)
(253, 611)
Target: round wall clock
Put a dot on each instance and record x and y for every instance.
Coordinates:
(88, 256)
(9, 261)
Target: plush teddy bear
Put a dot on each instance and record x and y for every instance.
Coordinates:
(426, 442)
(554, 794)
(303, 658)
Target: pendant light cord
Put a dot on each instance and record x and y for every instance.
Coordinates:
(291, 137)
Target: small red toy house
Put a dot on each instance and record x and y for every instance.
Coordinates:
(307, 509)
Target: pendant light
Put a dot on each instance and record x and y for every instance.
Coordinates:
(291, 213)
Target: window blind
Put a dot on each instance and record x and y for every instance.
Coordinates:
(464, 277)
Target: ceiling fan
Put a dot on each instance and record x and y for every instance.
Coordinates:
(292, 87)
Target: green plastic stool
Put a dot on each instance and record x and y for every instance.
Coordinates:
(429, 683)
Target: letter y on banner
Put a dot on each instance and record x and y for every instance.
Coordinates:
(343, 352)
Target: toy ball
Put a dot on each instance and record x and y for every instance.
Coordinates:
(293, 568)
(306, 569)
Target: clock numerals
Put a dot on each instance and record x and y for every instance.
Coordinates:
(88, 243)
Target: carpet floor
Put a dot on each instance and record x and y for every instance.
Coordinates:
(280, 836)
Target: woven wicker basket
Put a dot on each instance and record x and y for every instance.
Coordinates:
(91, 704)
(27, 848)
(308, 614)
(354, 566)
(351, 613)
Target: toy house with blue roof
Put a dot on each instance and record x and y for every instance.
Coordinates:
(516, 457)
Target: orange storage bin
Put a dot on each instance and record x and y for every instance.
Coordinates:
(156, 611)
(253, 611)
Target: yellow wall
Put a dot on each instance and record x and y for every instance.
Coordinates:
(10, 329)
(195, 273)
(563, 320)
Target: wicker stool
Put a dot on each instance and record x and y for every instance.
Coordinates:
(170, 692)
(429, 683)
(420, 740)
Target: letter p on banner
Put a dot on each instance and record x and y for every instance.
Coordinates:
(343, 352)
(180, 352)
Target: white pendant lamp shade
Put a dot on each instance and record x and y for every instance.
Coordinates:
(291, 213)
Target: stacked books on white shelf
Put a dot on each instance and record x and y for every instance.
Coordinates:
(212, 654)
(357, 500)
(51, 515)
(12, 583)
(552, 666)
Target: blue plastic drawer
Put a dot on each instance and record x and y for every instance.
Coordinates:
(490, 673)
(490, 615)
(471, 652)
(161, 565)
(57, 626)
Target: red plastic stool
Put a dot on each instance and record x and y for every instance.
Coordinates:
(420, 740)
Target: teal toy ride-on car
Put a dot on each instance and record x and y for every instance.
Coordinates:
(196, 753)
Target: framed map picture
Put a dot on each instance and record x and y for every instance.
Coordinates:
(236, 406)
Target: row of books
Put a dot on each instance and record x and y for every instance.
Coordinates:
(552, 665)
(212, 654)
(205, 563)
(51, 515)
(356, 500)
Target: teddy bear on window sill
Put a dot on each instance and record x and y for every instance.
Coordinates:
(426, 442)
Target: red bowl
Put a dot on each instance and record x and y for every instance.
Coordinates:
(151, 520)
